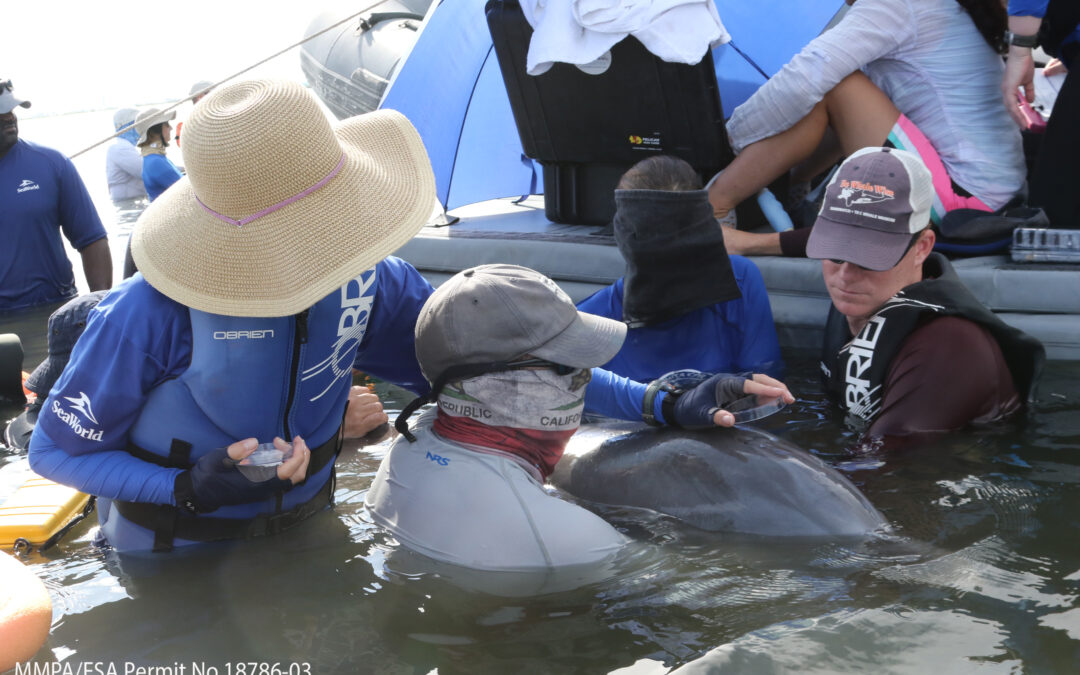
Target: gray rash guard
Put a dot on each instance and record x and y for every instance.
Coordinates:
(481, 510)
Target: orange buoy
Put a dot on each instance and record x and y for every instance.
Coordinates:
(25, 612)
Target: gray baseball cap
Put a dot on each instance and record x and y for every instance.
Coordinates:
(496, 313)
(8, 102)
(877, 200)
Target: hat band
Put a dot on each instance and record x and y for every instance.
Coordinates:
(280, 205)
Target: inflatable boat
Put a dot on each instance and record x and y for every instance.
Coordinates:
(350, 65)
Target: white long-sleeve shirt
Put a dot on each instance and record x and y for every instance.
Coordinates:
(123, 171)
(931, 61)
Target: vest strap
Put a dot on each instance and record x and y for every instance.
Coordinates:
(169, 522)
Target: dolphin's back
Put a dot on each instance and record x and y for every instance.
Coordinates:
(725, 480)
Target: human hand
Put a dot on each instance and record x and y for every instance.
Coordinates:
(215, 481)
(703, 406)
(1053, 67)
(365, 413)
(294, 469)
(1019, 72)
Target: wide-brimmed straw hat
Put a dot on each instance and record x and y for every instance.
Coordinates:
(148, 118)
(279, 207)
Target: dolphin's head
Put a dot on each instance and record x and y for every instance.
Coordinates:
(726, 480)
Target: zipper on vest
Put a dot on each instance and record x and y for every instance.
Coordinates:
(299, 339)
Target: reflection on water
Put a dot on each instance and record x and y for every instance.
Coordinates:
(981, 572)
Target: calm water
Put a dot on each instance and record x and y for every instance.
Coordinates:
(980, 574)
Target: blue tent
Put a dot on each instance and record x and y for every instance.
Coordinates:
(451, 89)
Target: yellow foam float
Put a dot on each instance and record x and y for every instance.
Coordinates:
(37, 510)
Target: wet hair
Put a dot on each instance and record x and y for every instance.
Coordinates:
(991, 19)
(157, 129)
(660, 172)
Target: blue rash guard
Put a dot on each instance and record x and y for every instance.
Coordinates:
(729, 337)
(41, 194)
(134, 376)
(158, 173)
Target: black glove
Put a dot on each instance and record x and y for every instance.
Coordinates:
(694, 408)
(216, 481)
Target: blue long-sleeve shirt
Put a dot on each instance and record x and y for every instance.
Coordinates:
(158, 174)
(729, 337)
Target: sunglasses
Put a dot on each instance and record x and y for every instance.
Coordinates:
(914, 238)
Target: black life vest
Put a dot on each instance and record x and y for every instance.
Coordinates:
(854, 368)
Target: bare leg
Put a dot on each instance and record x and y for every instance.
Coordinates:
(827, 153)
(860, 114)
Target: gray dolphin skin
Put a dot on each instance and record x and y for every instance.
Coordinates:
(737, 480)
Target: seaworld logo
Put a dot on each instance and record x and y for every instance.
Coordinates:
(82, 405)
(27, 185)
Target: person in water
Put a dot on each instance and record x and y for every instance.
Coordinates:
(155, 132)
(919, 75)
(509, 359)
(265, 279)
(198, 92)
(907, 347)
(66, 324)
(686, 302)
(43, 196)
(123, 162)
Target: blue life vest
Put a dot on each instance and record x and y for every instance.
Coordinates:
(252, 377)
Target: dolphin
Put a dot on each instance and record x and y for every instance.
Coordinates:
(737, 480)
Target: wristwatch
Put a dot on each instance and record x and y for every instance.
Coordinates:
(1030, 41)
(667, 406)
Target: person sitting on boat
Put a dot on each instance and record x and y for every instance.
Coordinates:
(259, 291)
(155, 132)
(1056, 172)
(123, 162)
(44, 196)
(919, 75)
(907, 347)
(686, 302)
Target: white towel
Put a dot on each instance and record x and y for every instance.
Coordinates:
(582, 31)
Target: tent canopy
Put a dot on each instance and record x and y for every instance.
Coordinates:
(451, 88)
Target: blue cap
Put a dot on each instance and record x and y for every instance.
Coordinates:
(66, 324)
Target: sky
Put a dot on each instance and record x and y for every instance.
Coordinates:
(70, 55)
